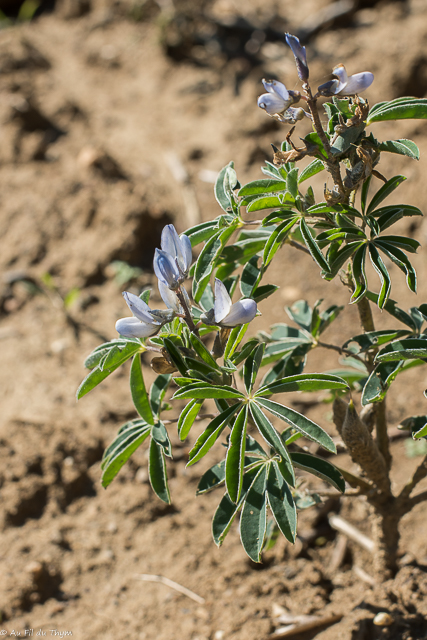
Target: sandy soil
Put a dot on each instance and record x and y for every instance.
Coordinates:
(114, 119)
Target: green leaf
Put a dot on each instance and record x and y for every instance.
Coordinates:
(359, 274)
(320, 468)
(139, 392)
(399, 109)
(379, 381)
(276, 350)
(312, 246)
(384, 192)
(212, 478)
(202, 232)
(208, 258)
(271, 202)
(220, 193)
(281, 503)
(253, 521)
(203, 390)
(303, 425)
(259, 187)
(314, 167)
(401, 242)
(207, 439)
(344, 141)
(264, 291)
(402, 147)
(273, 439)
(251, 276)
(101, 351)
(157, 472)
(158, 390)
(364, 193)
(187, 417)
(202, 351)
(304, 382)
(292, 182)
(408, 349)
(160, 435)
(130, 436)
(374, 339)
(115, 357)
(252, 365)
(401, 260)
(234, 339)
(277, 238)
(392, 309)
(381, 269)
(234, 462)
(227, 510)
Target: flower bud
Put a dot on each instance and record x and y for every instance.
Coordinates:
(300, 56)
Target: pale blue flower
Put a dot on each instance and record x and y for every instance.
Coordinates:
(145, 322)
(300, 56)
(345, 85)
(227, 314)
(277, 100)
(173, 260)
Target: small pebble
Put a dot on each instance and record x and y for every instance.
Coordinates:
(383, 619)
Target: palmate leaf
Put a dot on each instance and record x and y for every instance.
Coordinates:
(157, 472)
(276, 350)
(320, 468)
(234, 462)
(359, 275)
(281, 503)
(130, 436)
(312, 246)
(204, 390)
(400, 259)
(251, 367)
(303, 425)
(111, 360)
(234, 339)
(395, 311)
(253, 521)
(339, 258)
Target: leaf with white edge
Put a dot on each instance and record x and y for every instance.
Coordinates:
(359, 275)
(158, 390)
(384, 192)
(264, 185)
(234, 462)
(281, 503)
(239, 356)
(202, 232)
(408, 349)
(277, 238)
(202, 351)
(210, 435)
(380, 379)
(340, 257)
(303, 425)
(284, 200)
(292, 182)
(212, 478)
(157, 472)
(385, 279)
(208, 259)
(251, 276)
(101, 351)
(130, 436)
(374, 339)
(221, 195)
(114, 358)
(402, 147)
(227, 510)
(314, 167)
(253, 521)
(304, 382)
(204, 390)
(160, 435)
(251, 367)
(312, 246)
(187, 418)
(139, 392)
(234, 339)
(401, 260)
(392, 309)
(272, 438)
(399, 109)
(320, 468)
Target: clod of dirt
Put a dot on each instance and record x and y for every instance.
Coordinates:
(108, 168)
(39, 581)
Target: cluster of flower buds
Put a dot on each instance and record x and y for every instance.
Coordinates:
(171, 266)
(278, 101)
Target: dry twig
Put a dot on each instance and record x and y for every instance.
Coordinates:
(147, 577)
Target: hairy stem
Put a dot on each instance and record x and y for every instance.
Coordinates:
(187, 315)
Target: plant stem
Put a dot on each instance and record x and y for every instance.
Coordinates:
(187, 315)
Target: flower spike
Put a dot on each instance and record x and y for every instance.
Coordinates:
(300, 56)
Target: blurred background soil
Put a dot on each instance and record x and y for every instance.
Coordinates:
(116, 118)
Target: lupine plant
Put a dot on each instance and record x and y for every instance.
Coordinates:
(228, 383)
